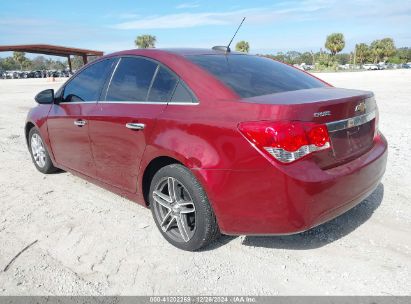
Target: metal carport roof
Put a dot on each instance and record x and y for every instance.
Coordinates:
(55, 50)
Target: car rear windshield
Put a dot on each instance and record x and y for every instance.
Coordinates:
(251, 76)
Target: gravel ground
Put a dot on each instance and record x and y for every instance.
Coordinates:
(93, 242)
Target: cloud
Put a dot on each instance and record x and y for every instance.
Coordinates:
(129, 16)
(172, 21)
(188, 5)
(318, 10)
(24, 22)
(186, 20)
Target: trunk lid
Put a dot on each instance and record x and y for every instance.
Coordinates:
(350, 116)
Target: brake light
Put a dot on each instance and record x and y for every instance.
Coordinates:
(286, 141)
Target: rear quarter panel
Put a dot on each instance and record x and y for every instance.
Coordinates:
(203, 136)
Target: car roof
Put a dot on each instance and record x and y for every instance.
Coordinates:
(177, 51)
(198, 51)
(190, 73)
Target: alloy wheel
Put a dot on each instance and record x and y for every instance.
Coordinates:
(174, 209)
(38, 150)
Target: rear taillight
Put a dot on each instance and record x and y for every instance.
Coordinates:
(286, 141)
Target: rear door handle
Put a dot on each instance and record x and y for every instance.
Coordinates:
(80, 122)
(135, 126)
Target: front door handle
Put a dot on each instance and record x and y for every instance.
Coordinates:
(135, 126)
(80, 122)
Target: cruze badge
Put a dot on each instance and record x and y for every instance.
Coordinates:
(321, 114)
(360, 107)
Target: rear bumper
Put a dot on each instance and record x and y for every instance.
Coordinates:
(294, 198)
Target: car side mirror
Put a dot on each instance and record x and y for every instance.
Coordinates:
(45, 97)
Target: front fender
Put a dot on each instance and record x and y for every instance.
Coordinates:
(37, 117)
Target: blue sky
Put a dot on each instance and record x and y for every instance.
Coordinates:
(271, 26)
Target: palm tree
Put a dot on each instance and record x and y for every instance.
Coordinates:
(335, 43)
(242, 46)
(382, 49)
(20, 58)
(377, 50)
(145, 41)
(362, 51)
(388, 48)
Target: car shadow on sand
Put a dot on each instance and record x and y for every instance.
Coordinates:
(318, 236)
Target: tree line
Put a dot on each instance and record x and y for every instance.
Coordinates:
(19, 61)
(149, 41)
(379, 50)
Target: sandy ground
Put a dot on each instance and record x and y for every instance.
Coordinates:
(91, 241)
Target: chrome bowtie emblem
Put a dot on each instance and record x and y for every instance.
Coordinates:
(360, 107)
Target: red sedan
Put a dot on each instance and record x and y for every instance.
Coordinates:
(212, 141)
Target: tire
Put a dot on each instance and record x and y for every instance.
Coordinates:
(39, 154)
(186, 221)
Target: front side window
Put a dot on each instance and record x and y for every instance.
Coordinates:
(131, 80)
(251, 76)
(87, 85)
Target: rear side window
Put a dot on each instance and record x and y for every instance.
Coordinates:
(251, 76)
(163, 86)
(131, 80)
(182, 94)
(87, 85)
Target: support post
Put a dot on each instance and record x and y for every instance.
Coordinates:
(69, 63)
(85, 59)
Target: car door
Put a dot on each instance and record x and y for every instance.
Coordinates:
(68, 118)
(121, 126)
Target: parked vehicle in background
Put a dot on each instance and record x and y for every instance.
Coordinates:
(64, 73)
(392, 66)
(381, 66)
(38, 74)
(303, 66)
(344, 66)
(15, 74)
(370, 66)
(50, 73)
(298, 66)
(9, 74)
(30, 74)
(308, 67)
(24, 74)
